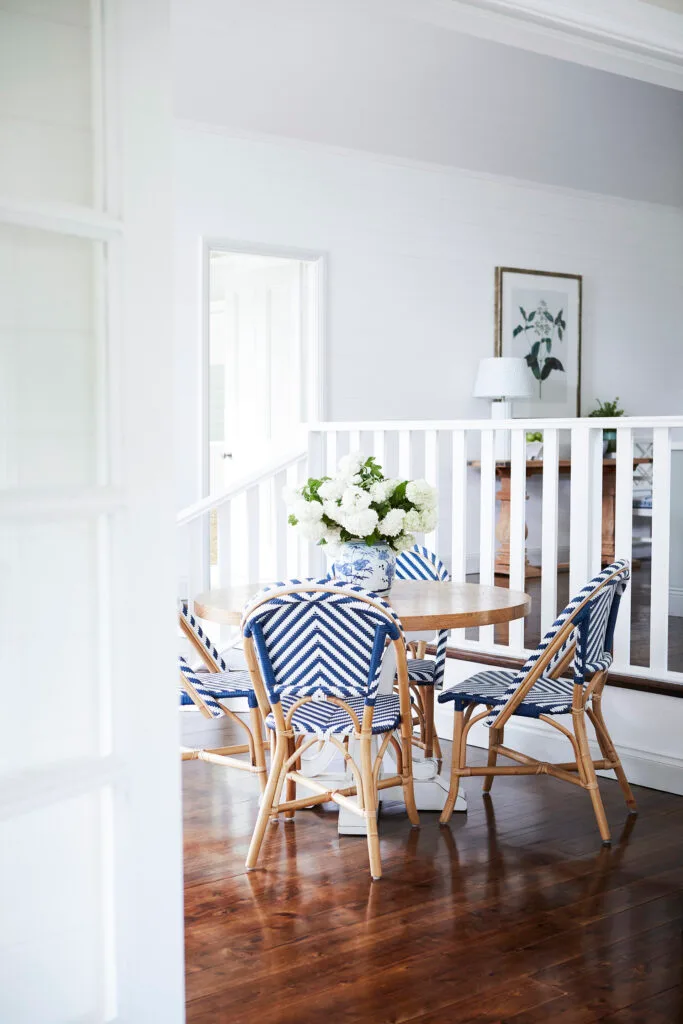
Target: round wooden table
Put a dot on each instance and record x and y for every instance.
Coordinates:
(421, 606)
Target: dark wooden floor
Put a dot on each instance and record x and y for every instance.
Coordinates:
(513, 915)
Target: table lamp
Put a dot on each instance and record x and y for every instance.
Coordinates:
(500, 379)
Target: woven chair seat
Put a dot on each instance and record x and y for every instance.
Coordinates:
(546, 697)
(222, 685)
(325, 718)
(422, 671)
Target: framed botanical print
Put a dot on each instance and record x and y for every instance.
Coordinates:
(538, 319)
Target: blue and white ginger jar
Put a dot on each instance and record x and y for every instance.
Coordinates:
(370, 567)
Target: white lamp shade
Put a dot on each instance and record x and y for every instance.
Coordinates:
(502, 377)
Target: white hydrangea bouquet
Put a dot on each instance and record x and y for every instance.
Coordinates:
(363, 518)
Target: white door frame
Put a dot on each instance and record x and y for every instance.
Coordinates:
(316, 342)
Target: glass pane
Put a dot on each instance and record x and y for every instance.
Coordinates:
(46, 136)
(51, 945)
(48, 359)
(49, 643)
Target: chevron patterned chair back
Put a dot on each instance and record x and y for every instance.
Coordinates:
(315, 648)
(579, 641)
(425, 674)
(208, 689)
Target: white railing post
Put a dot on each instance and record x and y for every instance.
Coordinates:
(517, 527)
(661, 526)
(579, 510)
(623, 537)
(280, 525)
(549, 528)
(224, 538)
(316, 468)
(487, 522)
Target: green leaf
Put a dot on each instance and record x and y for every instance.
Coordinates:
(558, 318)
(517, 330)
(559, 333)
(550, 364)
(534, 349)
(549, 316)
(523, 312)
(532, 363)
(531, 316)
(292, 520)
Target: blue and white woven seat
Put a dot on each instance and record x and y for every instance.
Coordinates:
(419, 563)
(319, 646)
(580, 642)
(217, 685)
(326, 720)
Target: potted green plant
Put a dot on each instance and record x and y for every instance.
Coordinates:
(534, 445)
(609, 437)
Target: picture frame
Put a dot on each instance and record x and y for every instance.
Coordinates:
(538, 318)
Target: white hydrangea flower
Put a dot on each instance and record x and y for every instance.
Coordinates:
(355, 499)
(307, 511)
(361, 523)
(404, 542)
(382, 489)
(421, 494)
(312, 531)
(332, 489)
(349, 465)
(429, 517)
(392, 524)
(333, 511)
(412, 521)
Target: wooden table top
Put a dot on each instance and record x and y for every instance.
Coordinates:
(420, 605)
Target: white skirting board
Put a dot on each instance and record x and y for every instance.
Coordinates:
(647, 730)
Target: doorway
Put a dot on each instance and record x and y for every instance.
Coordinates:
(264, 350)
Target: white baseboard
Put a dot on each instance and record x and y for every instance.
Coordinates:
(642, 767)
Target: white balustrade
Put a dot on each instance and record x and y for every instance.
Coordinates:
(246, 527)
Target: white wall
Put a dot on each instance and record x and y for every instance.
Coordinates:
(412, 251)
(353, 74)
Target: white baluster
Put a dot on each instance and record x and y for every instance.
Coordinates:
(459, 515)
(443, 537)
(404, 467)
(517, 527)
(579, 510)
(661, 525)
(224, 528)
(487, 522)
(253, 535)
(331, 453)
(623, 537)
(378, 438)
(595, 457)
(549, 524)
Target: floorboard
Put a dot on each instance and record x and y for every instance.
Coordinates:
(513, 915)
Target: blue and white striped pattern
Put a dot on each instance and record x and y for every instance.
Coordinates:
(189, 618)
(325, 719)
(419, 563)
(546, 697)
(320, 639)
(593, 633)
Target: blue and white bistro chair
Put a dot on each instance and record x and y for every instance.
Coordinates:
(208, 688)
(425, 674)
(581, 639)
(315, 648)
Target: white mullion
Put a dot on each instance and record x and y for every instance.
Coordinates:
(487, 522)
(549, 528)
(623, 537)
(517, 527)
(661, 527)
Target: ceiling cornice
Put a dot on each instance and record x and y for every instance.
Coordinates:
(625, 37)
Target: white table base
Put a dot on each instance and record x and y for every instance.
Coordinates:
(431, 788)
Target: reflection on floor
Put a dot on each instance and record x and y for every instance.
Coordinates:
(640, 617)
(515, 913)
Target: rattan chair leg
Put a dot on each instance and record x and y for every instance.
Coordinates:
(259, 753)
(590, 779)
(290, 786)
(370, 804)
(610, 753)
(495, 737)
(428, 706)
(458, 724)
(268, 800)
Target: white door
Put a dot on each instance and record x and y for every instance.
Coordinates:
(263, 355)
(90, 850)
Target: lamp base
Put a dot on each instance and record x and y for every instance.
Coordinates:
(501, 409)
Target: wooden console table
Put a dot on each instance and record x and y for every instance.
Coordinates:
(533, 468)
